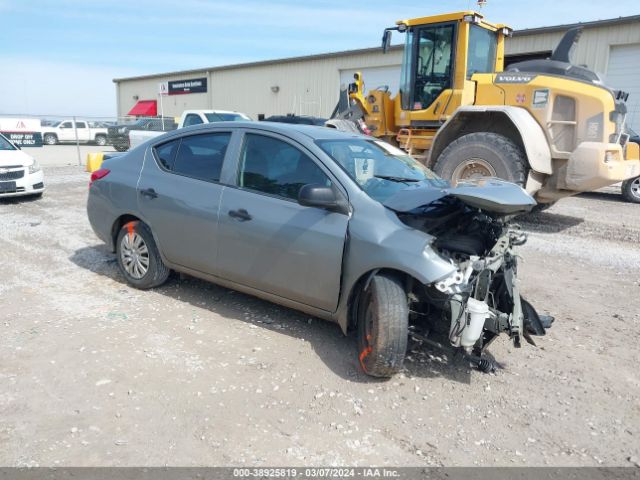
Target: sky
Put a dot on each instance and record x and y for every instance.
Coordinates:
(59, 57)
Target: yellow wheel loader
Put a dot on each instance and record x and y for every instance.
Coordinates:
(548, 125)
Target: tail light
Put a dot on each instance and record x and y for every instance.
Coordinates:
(98, 174)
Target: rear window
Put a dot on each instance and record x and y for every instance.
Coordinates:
(166, 153)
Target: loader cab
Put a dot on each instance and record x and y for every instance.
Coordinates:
(441, 55)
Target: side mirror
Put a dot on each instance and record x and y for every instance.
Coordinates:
(315, 195)
(386, 41)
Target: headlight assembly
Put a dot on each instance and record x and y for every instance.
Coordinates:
(34, 167)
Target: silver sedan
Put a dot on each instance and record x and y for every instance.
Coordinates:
(338, 225)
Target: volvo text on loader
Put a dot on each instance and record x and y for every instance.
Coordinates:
(548, 125)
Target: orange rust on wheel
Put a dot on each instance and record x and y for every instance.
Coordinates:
(364, 353)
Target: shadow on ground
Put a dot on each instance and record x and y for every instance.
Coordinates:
(606, 196)
(334, 349)
(20, 199)
(548, 222)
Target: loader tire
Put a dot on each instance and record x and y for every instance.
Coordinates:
(482, 154)
(383, 326)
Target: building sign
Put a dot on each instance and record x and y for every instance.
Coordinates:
(195, 85)
(23, 132)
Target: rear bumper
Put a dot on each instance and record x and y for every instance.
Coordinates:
(595, 165)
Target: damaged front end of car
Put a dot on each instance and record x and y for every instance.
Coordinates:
(472, 230)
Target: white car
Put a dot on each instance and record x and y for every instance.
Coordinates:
(20, 174)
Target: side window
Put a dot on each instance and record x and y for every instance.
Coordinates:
(201, 156)
(192, 119)
(81, 125)
(166, 153)
(66, 125)
(275, 167)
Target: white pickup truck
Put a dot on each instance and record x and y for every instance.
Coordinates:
(65, 131)
(189, 118)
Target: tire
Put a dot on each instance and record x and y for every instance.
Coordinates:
(472, 154)
(156, 272)
(383, 326)
(101, 140)
(631, 190)
(121, 148)
(50, 139)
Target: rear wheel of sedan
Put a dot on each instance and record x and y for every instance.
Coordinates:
(138, 256)
(383, 322)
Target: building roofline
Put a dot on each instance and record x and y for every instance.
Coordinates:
(321, 56)
(567, 26)
(260, 63)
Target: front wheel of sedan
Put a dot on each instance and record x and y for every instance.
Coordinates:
(138, 256)
(383, 323)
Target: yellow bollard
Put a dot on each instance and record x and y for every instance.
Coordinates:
(94, 160)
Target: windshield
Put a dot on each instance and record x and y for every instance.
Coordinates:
(224, 117)
(6, 144)
(380, 169)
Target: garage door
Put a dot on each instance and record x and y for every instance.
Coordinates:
(623, 73)
(374, 77)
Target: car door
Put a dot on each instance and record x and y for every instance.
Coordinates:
(268, 241)
(84, 135)
(179, 193)
(66, 132)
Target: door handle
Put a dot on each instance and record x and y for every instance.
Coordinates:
(241, 215)
(149, 192)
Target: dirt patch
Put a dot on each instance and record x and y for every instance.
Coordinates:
(97, 373)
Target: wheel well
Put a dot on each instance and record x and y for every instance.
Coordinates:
(473, 122)
(51, 134)
(117, 225)
(362, 282)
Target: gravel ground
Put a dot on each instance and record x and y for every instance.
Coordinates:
(190, 374)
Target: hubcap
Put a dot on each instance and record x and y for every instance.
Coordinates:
(635, 187)
(473, 168)
(134, 255)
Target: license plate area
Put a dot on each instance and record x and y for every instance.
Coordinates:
(7, 187)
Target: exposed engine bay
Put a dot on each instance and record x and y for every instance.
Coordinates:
(469, 308)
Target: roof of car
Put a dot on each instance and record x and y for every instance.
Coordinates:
(292, 129)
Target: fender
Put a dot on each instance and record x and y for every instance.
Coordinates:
(531, 134)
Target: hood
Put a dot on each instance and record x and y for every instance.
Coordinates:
(488, 194)
(11, 158)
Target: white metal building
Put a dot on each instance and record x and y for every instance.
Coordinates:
(310, 85)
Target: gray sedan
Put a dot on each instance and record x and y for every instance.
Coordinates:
(338, 225)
